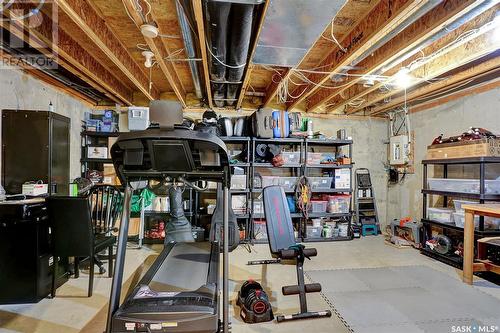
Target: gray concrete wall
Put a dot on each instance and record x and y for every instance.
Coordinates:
(21, 91)
(453, 118)
(369, 151)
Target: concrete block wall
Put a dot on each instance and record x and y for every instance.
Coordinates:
(453, 118)
(19, 90)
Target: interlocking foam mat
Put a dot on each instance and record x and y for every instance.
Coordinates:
(407, 299)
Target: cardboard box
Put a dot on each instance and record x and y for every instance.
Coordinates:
(342, 178)
(35, 189)
(97, 152)
(475, 148)
(109, 175)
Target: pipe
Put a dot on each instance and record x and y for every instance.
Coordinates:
(486, 5)
(218, 18)
(188, 43)
(241, 31)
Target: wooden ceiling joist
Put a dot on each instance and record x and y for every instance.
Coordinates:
(82, 13)
(248, 72)
(436, 88)
(463, 53)
(71, 56)
(382, 19)
(160, 53)
(408, 39)
(200, 25)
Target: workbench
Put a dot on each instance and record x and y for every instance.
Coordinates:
(469, 267)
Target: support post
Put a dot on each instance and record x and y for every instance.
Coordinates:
(225, 272)
(116, 286)
(468, 260)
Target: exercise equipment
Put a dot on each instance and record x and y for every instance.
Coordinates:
(180, 292)
(282, 244)
(254, 303)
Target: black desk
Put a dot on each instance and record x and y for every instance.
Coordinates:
(25, 258)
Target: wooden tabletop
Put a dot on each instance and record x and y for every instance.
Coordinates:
(483, 208)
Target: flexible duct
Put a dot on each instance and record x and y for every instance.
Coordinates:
(190, 50)
(241, 31)
(218, 18)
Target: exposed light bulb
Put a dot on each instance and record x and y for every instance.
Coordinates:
(403, 78)
(149, 58)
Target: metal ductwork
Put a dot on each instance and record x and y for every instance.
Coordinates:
(230, 25)
(185, 22)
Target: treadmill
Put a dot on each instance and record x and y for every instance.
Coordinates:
(180, 292)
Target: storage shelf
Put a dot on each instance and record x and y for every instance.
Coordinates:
(487, 232)
(100, 134)
(329, 166)
(269, 165)
(324, 239)
(332, 190)
(466, 160)
(315, 215)
(280, 140)
(259, 190)
(452, 260)
(329, 142)
(96, 160)
(154, 213)
(463, 195)
(153, 240)
(240, 165)
(234, 138)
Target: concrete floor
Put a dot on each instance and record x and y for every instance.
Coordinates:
(71, 311)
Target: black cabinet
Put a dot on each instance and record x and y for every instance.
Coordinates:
(35, 146)
(25, 258)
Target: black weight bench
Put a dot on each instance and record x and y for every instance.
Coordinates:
(283, 246)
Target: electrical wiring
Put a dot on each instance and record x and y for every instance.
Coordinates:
(333, 39)
(143, 47)
(220, 61)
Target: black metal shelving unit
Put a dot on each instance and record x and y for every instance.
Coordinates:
(309, 146)
(99, 139)
(481, 196)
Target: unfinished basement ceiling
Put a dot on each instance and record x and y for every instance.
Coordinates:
(290, 29)
(296, 48)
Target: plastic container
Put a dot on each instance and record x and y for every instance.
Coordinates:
(316, 222)
(313, 158)
(459, 219)
(238, 182)
(258, 207)
(463, 185)
(288, 183)
(458, 204)
(443, 215)
(338, 204)
(290, 199)
(343, 229)
(321, 183)
(318, 206)
(291, 157)
(260, 231)
(269, 181)
(313, 232)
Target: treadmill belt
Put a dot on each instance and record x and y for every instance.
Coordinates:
(185, 268)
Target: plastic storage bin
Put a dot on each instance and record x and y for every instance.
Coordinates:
(321, 183)
(463, 185)
(238, 182)
(291, 157)
(313, 232)
(458, 204)
(269, 181)
(443, 215)
(260, 231)
(258, 207)
(338, 204)
(313, 158)
(288, 183)
(459, 219)
(318, 206)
